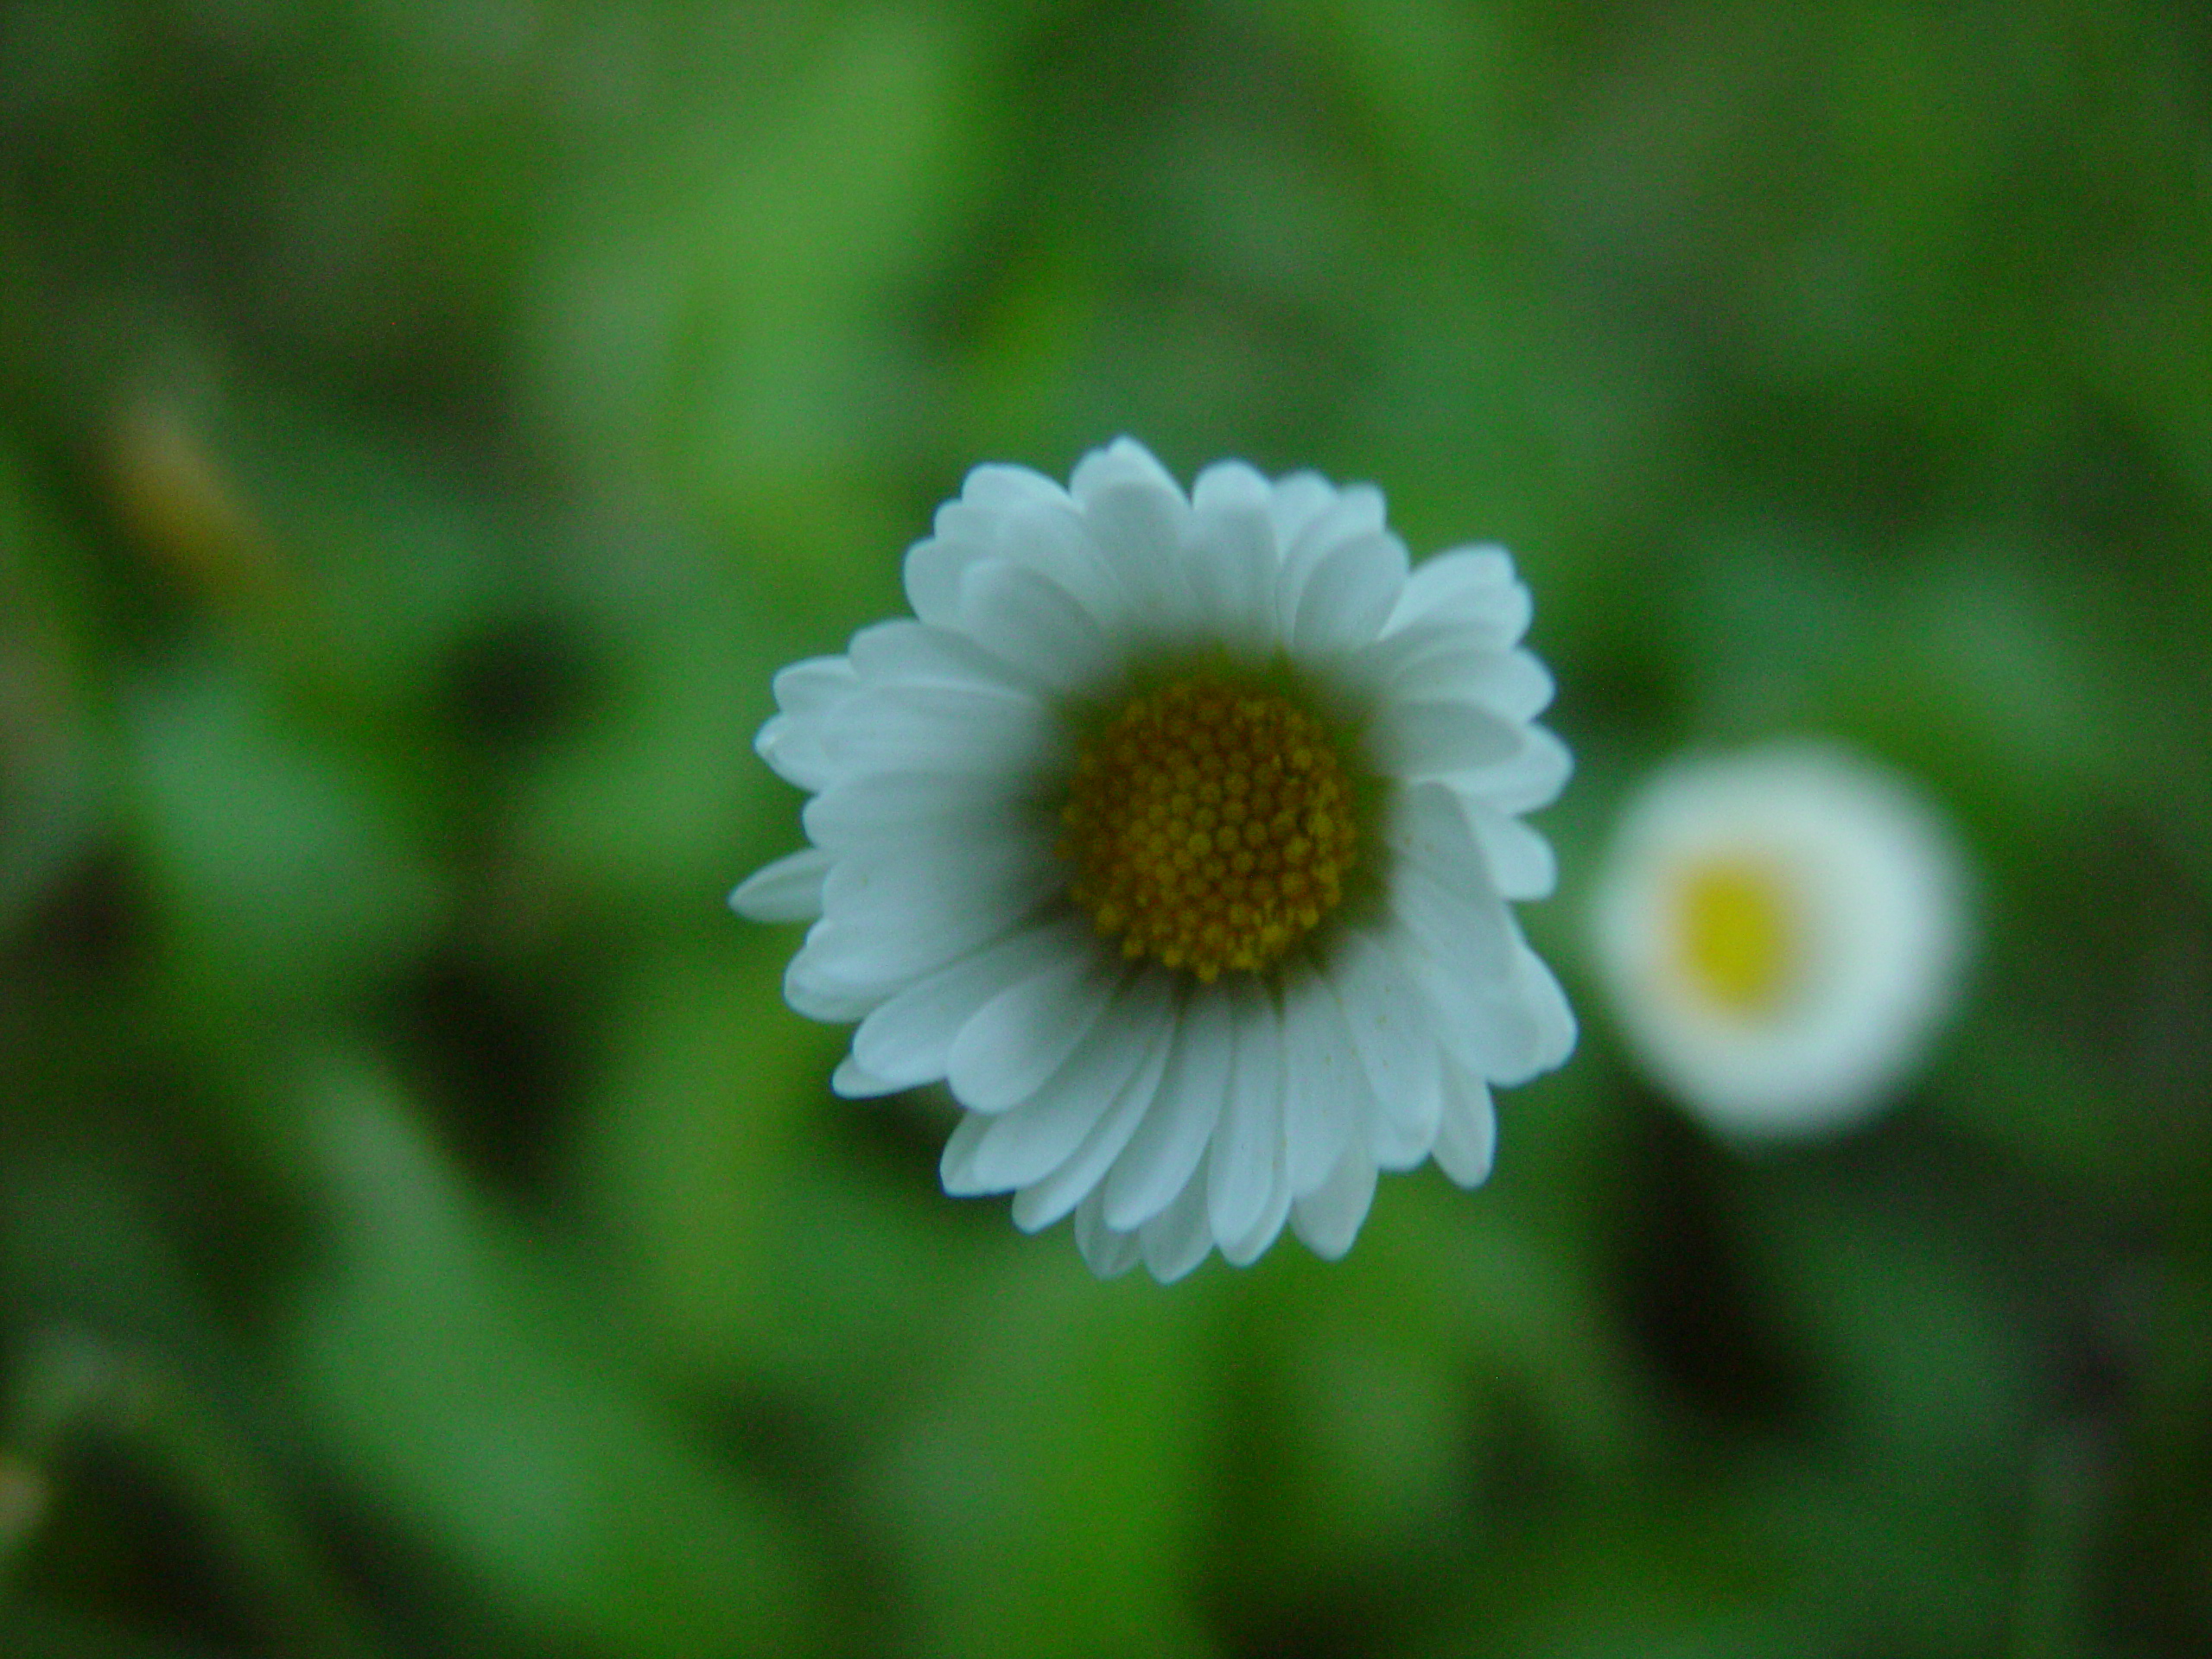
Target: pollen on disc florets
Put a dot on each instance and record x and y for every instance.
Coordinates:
(1211, 826)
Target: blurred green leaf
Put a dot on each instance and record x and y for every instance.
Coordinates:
(284, 873)
(1047, 1489)
(731, 293)
(704, 1154)
(653, 805)
(53, 766)
(1919, 1355)
(468, 1391)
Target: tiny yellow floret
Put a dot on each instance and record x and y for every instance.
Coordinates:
(1736, 934)
(1211, 825)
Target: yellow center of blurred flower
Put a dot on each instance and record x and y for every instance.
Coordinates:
(1736, 934)
(1211, 827)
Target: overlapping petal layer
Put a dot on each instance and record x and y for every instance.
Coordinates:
(1174, 1115)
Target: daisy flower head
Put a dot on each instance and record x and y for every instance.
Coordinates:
(1781, 931)
(1175, 835)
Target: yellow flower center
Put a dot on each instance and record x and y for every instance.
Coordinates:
(1736, 934)
(1211, 825)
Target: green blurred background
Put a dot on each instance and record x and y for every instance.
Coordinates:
(424, 426)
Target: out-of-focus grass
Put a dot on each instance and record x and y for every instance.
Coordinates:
(424, 426)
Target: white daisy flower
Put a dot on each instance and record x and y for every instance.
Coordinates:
(1175, 836)
(1782, 932)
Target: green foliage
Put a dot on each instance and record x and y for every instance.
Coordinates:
(425, 427)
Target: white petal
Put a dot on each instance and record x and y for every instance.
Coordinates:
(1240, 1168)
(1325, 1096)
(935, 564)
(962, 522)
(1161, 1156)
(1403, 1133)
(791, 742)
(1389, 1022)
(1531, 777)
(1540, 991)
(1504, 1031)
(1025, 1145)
(1418, 738)
(1432, 830)
(975, 525)
(1021, 1037)
(874, 807)
(1231, 484)
(1328, 1218)
(1003, 487)
(1055, 544)
(1022, 1146)
(1041, 532)
(955, 729)
(829, 1000)
(1032, 625)
(1107, 1252)
(1138, 528)
(890, 918)
(1511, 684)
(1346, 515)
(1520, 860)
(1471, 940)
(1043, 1202)
(928, 882)
(908, 1040)
(904, 652)
(1350, 592)
(811, 685)
(794, 751)
(1123, 461)
(1233, 560)
(856, 1082)
(788, 890)
(1242, 1252)
(1466, 1135)
(1296, 501)
(955, 1167)
(1177, 1239)
(1468, 592)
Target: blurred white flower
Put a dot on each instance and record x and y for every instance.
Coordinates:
(1782, 932)
(1176, 836)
